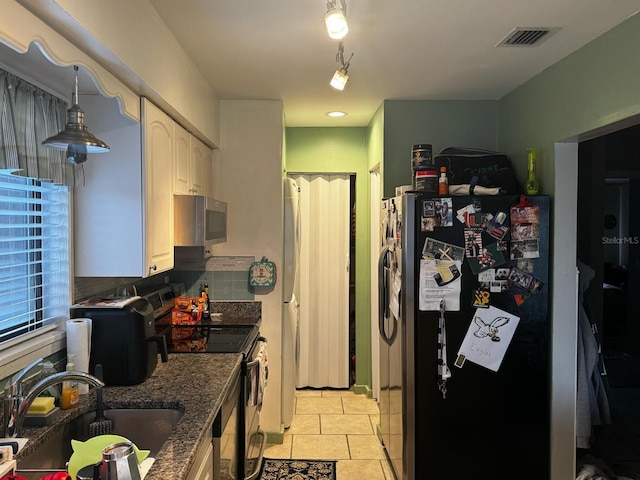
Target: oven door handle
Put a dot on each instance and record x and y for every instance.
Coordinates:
(254, 363)
(258, 464)
(250, 386)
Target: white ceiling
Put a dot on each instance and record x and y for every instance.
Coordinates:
(403, 49)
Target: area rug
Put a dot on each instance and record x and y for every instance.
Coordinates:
(275, 469)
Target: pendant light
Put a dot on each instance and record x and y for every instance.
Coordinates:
(75, 138)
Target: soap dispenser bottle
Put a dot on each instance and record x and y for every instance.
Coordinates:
(70, 395)
(54, 390)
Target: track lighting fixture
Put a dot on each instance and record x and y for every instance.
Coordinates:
(75, 138)
(341, 77)
(336, 19)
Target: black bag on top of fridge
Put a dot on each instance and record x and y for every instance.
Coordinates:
(477, 167)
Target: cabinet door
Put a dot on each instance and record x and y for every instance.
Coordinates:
(109, 208)
(202, 468)
(182, 161)
(207, 173)
(158, 134)
(198, 159)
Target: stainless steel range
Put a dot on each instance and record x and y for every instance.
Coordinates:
(249, 443)
(246, 340)
(254, 439)
(240, 454)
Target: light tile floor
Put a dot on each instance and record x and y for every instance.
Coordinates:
(335, 425)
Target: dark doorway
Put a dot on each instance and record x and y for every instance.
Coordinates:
(352, 282)
(609, 243)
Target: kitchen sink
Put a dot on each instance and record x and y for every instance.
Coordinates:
(148, 428)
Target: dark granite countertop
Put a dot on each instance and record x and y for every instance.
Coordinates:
(247, 313)
(195, 383)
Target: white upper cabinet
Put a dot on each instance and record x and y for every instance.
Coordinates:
(207, 172)
(158, 153)
(108, 201)
(192, 167)
(198, 158)
(123, 211)
(182, 161)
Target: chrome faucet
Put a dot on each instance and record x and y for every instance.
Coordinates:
(13, 397)
(16, 405)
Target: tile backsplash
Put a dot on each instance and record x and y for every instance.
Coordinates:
(222, 285)
(228, 279)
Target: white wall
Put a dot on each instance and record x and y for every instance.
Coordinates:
(564, 309)
(129, 38)
(20, 29)
(249, 177)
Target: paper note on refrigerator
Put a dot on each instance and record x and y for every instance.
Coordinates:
(439, 279)
(394, 297)
(488, 338)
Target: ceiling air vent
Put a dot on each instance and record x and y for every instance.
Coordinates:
(527, 37)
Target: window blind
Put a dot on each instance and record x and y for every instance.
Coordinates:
(34, 256)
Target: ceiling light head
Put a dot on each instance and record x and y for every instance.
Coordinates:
(336, 23)
(340, 79)
(336, 114)
(75, 138)
(336, 20)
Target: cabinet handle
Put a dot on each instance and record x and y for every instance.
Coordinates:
(153, 267)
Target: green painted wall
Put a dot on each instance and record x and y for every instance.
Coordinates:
(442, 123)
(386, 142)
(593, 91)
(375, 139)
(595, 86)
(342, 150)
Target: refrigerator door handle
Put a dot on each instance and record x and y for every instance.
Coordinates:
(382, 290)
(393, 336)
(383, 296)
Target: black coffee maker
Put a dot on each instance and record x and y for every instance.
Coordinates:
(123, 338)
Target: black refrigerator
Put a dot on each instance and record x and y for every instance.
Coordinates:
(446, 412)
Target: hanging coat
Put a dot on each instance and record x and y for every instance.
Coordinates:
(592, 404)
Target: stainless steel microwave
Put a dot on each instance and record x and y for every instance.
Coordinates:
(199, 221)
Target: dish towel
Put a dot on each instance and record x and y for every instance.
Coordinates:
(259, 376)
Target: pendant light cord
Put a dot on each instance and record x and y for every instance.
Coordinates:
(75, 100)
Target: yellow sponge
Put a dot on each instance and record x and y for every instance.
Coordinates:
(41, 405)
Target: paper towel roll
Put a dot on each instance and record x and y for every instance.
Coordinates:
(79, 344)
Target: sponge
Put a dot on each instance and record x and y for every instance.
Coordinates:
(41, 405)
(6, 454)
(40, 419)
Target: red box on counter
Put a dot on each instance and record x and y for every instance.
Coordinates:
(186, 304)
(181, 325)
(180, 322)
